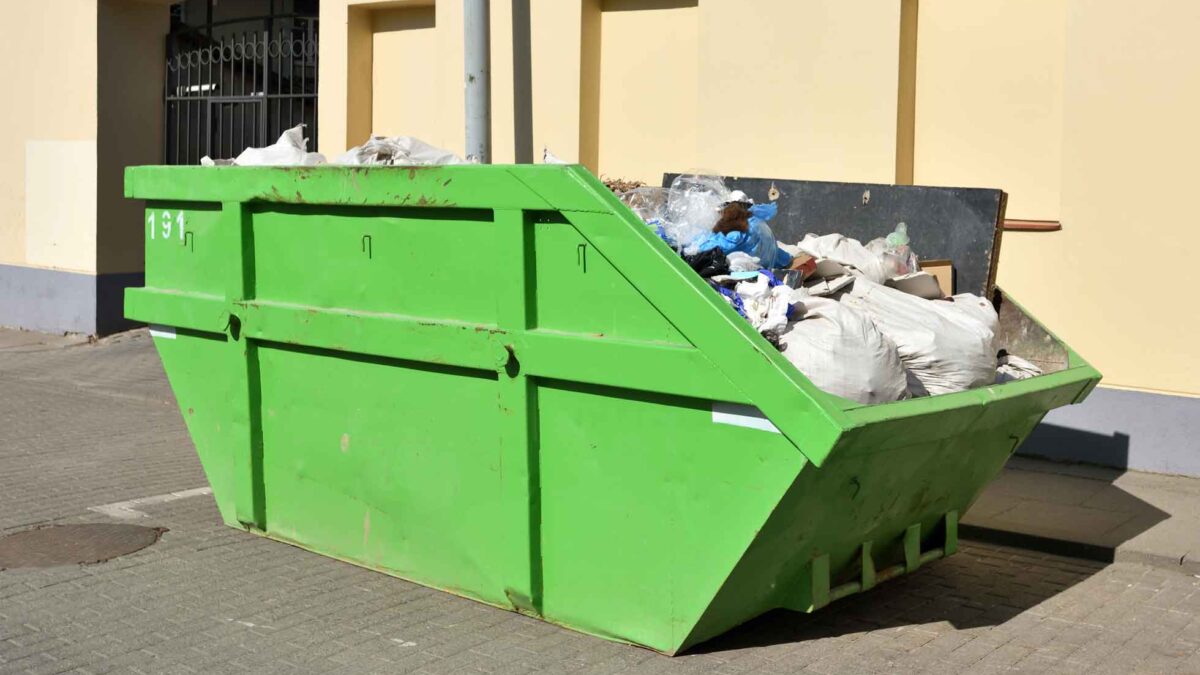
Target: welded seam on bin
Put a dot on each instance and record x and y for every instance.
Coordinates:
(551, 206)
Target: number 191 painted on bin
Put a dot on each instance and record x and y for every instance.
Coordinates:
(164, 222)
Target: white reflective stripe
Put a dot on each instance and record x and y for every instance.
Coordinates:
(126, 511)
(165, 332)
(740, 415)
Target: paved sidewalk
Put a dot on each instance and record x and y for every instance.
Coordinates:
(1095, 512)
(91, 425)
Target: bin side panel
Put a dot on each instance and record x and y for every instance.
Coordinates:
(646, 506)
(394, 465)
(860, 496)
(181, 246)
(579, 291)
(406, 261)
(895, 425)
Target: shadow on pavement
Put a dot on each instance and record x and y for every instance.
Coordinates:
(1063, 508)
(983, 585)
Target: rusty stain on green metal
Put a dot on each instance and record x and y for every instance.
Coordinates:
(524, 432)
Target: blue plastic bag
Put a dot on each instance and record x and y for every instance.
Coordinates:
(758, 240)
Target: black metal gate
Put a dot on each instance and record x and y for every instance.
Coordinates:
(240, 90)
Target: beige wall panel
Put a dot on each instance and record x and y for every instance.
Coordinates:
(406, 82)
(333, 74)
(799, 89)
(989, 104)
(450, 65)
(503, 150)
(60, 205)
(54, 43)
(1131, 101)
(649, 88)
(556, 30)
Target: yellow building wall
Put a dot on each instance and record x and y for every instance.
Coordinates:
(989, 103)
(1130, 139)
(48, 135)
(634, 88)
(90, 104)
(1082, 110)
(406, 100)
(648, 91)
(799, 89)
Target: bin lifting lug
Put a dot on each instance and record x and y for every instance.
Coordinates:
(512, 366)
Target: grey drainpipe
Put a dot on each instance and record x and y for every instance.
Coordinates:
(478, 81)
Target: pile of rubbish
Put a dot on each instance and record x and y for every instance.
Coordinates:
(292, 150)
(860, 321)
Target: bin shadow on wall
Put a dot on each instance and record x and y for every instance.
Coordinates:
(1056, 442)
(1036, 506)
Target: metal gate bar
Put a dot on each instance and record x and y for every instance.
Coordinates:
(223, 96)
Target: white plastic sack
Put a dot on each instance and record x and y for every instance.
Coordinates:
(742, 262)
(1012, 367)
(974, 307)
(842, 352)
(397, 151)
(290, 150)
(765, 307)
(946, 346)
(844, 250)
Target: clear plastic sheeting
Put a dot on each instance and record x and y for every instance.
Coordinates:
(894, 253)
(649, 203)
(693, 208)
(397, 151)
(842, 352)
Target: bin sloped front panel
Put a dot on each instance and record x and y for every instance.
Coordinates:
(642, 519)
(855, 502)
(497, 381)
(204, 376)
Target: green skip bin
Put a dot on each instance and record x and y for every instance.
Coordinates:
(497, 381)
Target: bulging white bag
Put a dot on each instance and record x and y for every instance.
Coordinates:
(396, 151)
(290, 150)
(844, 250)
(843, 353)
(947, 346)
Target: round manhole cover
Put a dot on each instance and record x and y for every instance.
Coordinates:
(74, 544)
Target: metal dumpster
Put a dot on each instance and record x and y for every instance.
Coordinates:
(497, 381)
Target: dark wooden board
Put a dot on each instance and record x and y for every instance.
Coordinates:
(962, 225)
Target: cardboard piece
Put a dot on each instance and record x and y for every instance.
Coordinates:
(943, 271)
(920, 284)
